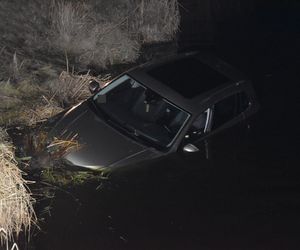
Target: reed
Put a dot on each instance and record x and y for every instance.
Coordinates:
(16, 202)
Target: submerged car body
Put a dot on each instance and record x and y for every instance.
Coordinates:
(156, 109)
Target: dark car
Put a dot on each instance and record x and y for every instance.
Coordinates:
(156, 109)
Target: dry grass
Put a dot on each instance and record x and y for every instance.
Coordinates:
(77, 31)
(16, 99)
(59, 147)
(40, 112)
(9, 95)
(23, 89)
(90, 32)
(155, 21)
(16, 209)
(70, 88)
(27, 101)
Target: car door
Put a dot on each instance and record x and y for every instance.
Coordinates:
(217, 133)
(195, 144)
(228, 127)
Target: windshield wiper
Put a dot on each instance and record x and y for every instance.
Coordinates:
(130, 128)
(125, 127)
(138, 134)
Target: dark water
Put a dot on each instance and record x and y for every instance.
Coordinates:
(245, 196)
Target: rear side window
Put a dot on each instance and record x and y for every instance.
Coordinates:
(228, 108)
(243, 102)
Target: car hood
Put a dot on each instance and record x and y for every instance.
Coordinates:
(100, 145)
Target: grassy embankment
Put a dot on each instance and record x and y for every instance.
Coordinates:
(41, 49)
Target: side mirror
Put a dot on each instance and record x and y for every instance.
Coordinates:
(94, 86)
(190, 148)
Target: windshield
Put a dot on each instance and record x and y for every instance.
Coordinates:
(141, 111)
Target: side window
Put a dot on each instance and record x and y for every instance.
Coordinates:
(224, 111)
(199, 126)
(220, 113)
(228, 108)
(243, 102)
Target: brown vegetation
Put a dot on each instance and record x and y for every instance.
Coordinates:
(27, 102)
(16, 209)
(89, 32)
(155, 21)
(70, 88)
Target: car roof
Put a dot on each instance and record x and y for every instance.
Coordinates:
(187, 79)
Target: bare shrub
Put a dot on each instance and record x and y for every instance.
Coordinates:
(20, 100)
(108, 44)
(16, 209)
(21, 84)
(71, 88)
(155, 21)
(115, 36)
(42, 111)
(9, 95)
(90, 32)
(26, 102)
(69, 21)
(67, 89)
(147, 21)
(77, 31)
(14, 98)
